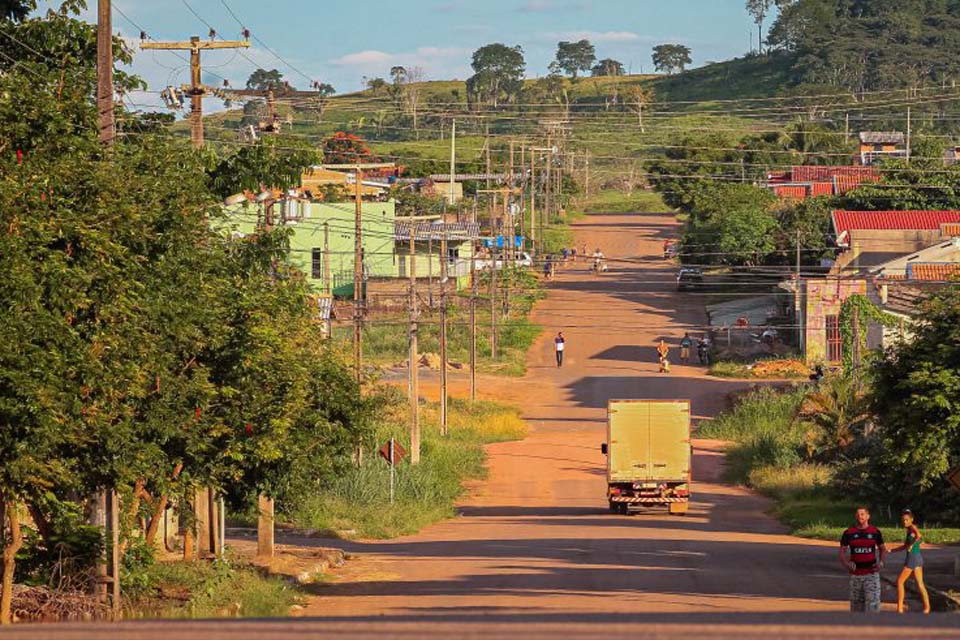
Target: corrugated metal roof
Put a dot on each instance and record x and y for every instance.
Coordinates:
(424, 231)
(812, 173)
(844, 221)
(933, 271)
(882, 137)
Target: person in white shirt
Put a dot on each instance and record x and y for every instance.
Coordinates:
(558, 344)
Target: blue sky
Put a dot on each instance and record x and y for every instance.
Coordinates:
(343, 42)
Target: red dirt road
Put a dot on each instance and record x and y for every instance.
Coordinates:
(535, 552)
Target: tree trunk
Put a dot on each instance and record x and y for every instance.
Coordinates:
(8, 513)
(159, 509)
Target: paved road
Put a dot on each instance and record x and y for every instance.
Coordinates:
(535, 552)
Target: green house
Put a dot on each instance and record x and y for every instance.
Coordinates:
(323, 234)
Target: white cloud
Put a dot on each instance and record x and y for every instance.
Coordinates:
(594, 36)
(435, 61)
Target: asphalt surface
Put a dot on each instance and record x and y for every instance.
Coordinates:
(535, 552)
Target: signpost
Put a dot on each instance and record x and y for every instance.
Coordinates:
(394, 454)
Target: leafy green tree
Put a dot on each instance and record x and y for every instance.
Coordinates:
(608, 67)
(498, 73)
(671, 58)
(733, 224)
(16, 10)
(276, 162)
(574, 57)
(916, 399)
(272, 80)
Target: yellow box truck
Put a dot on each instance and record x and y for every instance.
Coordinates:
(648, 454)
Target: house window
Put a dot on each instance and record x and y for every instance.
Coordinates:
(316, 264)
(834, 339)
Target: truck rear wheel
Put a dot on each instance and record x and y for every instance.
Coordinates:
(679, 508)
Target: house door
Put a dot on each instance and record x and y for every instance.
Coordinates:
(834, 339)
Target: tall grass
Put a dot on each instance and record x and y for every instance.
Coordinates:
(763, 427)
(356, 504)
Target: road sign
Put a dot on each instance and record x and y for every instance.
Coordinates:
(393, 453)
(953, 477)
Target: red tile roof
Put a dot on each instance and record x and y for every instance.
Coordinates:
(814, 173)
(791, 191)
(935, 271)
(821, 189)
(844, 221)
(842, 184)
(952, 230)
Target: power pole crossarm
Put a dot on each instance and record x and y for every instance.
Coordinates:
(197, 90)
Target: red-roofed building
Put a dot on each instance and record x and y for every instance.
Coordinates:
(872, 238)
(934, 271)
(811, 181)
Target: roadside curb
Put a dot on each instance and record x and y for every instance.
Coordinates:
(940, 601)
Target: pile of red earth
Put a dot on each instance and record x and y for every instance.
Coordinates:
(42, 604)
(779, 369)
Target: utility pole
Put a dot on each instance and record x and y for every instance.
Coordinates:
(797, 300)
(846, 126)
(509, 214)
(414, 353)
(493, 303)
(106, 504)
(453, 156)
(506, 275)
(586, 170)
(486, 148)
(196, 89)
(545, 217)
(443, 332)
(358, 277)
(105, 72)
(533, 200)
(473, 324)
(327, 276)
(856, 356)
(909, 133)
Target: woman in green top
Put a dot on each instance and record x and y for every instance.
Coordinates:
(913, 563)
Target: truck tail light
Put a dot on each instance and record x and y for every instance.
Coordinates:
(683, 493)
(614, 491)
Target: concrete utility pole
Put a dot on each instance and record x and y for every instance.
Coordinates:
(533, 200)
(797, 299)
(414, 373)
(493, 301)
(509, 213)
(358, 278)
(486, 149)
(453, 157)
(473, 324)
(909, 133)
(196, 89)
(105, 72)
(443, 332)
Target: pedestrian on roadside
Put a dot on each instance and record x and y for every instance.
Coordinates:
(573, 254)
(913, 563)
(548, 268)
(559, 343)
(685, 345)
(862, 554)
(565, 253)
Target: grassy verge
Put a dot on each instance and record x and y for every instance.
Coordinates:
(358, 501)
(766, 455)
(209, 590)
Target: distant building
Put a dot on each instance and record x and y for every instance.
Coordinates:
(810, 181)
(880, 145)
(871, 238)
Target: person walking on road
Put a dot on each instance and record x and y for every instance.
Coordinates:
(685, 345)
(913, 564)
(862, 554)
(558, 346)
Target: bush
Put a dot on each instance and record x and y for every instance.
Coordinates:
(780, 482)
(357, 502)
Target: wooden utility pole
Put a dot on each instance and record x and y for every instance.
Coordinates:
(443, 332)
(486, 148)
(358, 278)
(453, 157)
(797, 311)
(506, 275)
(533, 200)
(414, 373)
(265, 536)
(508, 211)
(105, 72)
(196, 89)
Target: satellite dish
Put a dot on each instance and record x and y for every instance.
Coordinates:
(235, 199)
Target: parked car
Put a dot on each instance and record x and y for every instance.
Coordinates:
(523, 259)
(689, 278)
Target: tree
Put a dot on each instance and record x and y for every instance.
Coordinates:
(262, 80)
(608, 67)
(407, 92)
(275, 162)
(638, 98)
(671, 58)
(758, 10)
(731, 224)
(498, 73)
(16, 10)
(346, 148)
(574, 57)
(376, 85)
(915, 397)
